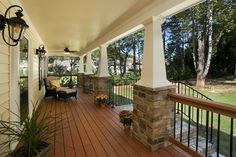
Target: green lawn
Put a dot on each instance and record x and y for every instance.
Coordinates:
(224, 97)
(228, 97)
(122, 95)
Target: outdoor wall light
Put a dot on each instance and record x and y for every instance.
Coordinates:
(41, 52)
(16, 26)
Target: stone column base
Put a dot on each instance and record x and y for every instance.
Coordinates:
(87, 83)
(153, 116)
(102, 85)
(80, 79)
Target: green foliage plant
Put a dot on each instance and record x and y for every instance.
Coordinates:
(33, 134)
(126, 117)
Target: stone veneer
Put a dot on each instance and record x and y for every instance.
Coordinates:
(87, 83)
(102, 85)
(80, 79)
(153, 116)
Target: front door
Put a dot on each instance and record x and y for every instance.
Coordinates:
(23, 78)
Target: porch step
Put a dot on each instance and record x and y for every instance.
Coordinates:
(215, 155)
(184, 130)
(201, 145)
(192, 137)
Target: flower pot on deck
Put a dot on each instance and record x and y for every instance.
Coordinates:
(102, 106)
(43, 151)
(127, 127)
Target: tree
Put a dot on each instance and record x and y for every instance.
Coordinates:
(130, 46)
(197, 30)
(212, 24)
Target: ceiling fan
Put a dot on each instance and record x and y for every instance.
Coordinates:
(68, 51)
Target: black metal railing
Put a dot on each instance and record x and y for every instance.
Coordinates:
(199, 137)
(122, 91)
(187, 90)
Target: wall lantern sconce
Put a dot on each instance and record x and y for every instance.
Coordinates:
(41, 52)
(41, 55)
(16, 25)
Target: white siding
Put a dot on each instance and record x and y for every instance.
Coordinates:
(5, 73)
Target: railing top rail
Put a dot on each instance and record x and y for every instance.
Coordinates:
(194, 90)
(212, 106)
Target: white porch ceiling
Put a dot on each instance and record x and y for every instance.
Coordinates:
(77, 23)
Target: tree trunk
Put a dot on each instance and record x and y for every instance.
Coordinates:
(134, 53)
(200, 80)
(201, 61)
(115, 71)
(121, 61)
(139, 59)
(124, 66)
(194, 43)
(183, 53)
(210, 32)
(235, 70)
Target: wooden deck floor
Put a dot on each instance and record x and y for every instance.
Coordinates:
(92, 132)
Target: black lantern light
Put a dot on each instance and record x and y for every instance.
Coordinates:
(41, 52)
(16, 25)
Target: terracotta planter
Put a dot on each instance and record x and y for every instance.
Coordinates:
(127, 127)
(42, 153)
(102, 105)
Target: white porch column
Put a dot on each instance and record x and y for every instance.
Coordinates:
(153, 70)
(89, 62)
(81, 64)
(103, 62)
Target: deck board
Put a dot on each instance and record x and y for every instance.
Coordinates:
(88, 131)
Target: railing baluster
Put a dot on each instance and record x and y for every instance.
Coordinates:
(197, 130)
(174, 119)
(231, 136)
(184, 94)
(178, 93)
(189, 118)
(208, 116)
(124, 90)
(211, 137)
(120, 98)
(207, 119)
(181, 123)
(218, 137)
(201, 114)
(121, 91)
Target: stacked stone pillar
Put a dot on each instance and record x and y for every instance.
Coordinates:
(87, 77)
(80, 79)
(81, 72)
(87, 83)
(102, 85)
(102, 81)
(153, 116)
(153, 112)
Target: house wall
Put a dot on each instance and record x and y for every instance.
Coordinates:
(8, 70)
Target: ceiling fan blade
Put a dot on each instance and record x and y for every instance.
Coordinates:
(74, 51)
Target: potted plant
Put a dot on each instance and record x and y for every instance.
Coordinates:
(126, 118)
(32, 135)
(101, 100)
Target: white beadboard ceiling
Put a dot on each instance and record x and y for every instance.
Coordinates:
(77, 23)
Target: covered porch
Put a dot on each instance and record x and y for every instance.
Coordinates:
(90, 131)
(86, 129)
